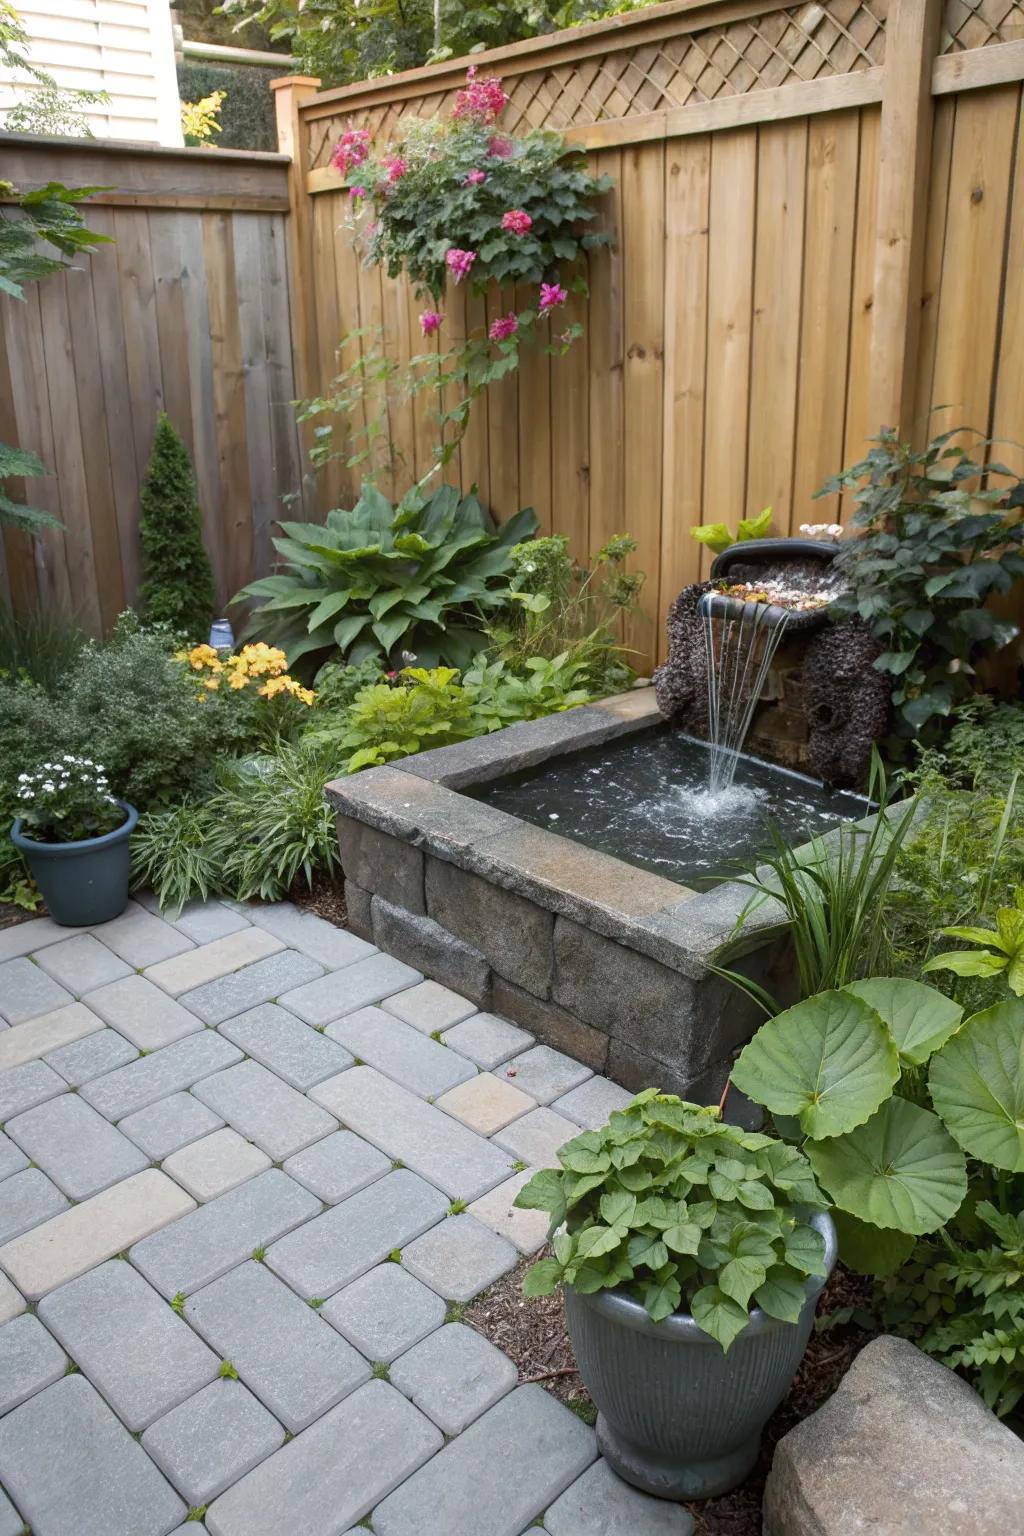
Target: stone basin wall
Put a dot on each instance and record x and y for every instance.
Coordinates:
(594, 956)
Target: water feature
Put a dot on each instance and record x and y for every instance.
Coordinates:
(740, 638)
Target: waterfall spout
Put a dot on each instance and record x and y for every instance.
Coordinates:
(741, 639)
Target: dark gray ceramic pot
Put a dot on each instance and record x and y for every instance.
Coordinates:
(676, 1416)
(85, 882)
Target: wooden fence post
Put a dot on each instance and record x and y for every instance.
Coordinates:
(290, 93)
(905, 146)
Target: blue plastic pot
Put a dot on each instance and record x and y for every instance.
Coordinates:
(84, 882)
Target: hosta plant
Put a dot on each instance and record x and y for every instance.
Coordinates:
(683, 1212)
(377, 580)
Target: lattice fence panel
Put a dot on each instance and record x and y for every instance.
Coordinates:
(807, 42)
(978, 23)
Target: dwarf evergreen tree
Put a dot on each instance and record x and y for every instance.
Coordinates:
(177, 587)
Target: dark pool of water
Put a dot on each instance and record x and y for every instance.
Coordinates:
(645, 800)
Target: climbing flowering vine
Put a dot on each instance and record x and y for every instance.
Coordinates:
(457, 206)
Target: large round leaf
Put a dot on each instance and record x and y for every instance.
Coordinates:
(919, 1019)
(977, 1085)
(902, 1169)
(829, 1061)
(877, 1251)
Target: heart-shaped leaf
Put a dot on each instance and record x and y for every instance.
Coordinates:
(830, 1061)
(805, 1250)
(919, 1019)
(683, 1237)
(662, 1296)
(740, 1278)
(718, 1315)
(902, 1169)
(977, 1085)
(646, 1248)
(782, 1295)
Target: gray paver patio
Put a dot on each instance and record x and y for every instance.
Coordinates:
(147, 1330)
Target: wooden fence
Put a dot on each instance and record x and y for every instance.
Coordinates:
(187, 311)
(818, 227)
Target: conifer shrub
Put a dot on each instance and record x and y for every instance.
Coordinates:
(177, 588)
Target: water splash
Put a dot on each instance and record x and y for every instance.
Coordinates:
(741, 639)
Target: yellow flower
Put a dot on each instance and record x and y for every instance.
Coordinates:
(211, 682)
(237, 680)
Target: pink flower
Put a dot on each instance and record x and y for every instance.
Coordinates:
(500, 147)
(460, 262)
(475, 178)
(516, 222)
(502, 328)
(550, 295)
(351, 149)
(483, 99)
(430, 321)
(396, 168)
(356, 192)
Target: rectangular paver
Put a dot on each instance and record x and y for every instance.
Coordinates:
(195, 967)
(12, 1302)
(217, 1236)
(134, 1349)
(82, 1060)
(294, 1361)
(401, 1052)
(319, 1002)
(601, 1504)
(497, 1210)
(211, 1441)
(262, 982)
(107, 1485)
(540, 1446)
(143, 1013)
(13, 1159)
(216, 1163)
(46, 1033)
(81, 964)
(265, 1110)
(340, 1245)
(457, 1160)
(11, 1523)
(71, 1141)
(141, 938)
(26, 1199)
(170, 1123)
(204, 921)
(25, 938)
(278, 1040)
(454, 1376)
(31, 1083)
(339, 1166)
(385, 1312)
(27, 991)
(177, 1066)
(331, 1475)
(334, 947)
(30, 1359)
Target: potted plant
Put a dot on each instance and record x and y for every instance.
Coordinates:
(74, 835)
(692, 1254)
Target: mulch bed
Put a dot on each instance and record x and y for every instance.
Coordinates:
(532, 1333)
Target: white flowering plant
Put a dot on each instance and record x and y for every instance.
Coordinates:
(67, 801)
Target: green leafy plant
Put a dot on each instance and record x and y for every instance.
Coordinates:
(177, 585)
(38, 646)
(717, 537)
(337, 683)
(173, 855)
(500, 695)
(428, 709)
(377, 580)
(936, 542)
(1007, 940)
(67, 801)
(676, 1208)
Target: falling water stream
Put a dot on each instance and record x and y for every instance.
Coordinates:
(741, 639)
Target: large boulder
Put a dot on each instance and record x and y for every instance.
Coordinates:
(903, 1448)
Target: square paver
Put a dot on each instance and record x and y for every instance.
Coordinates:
(204, 921)
(13, 1159)
(265, 1110)
(132, 1346)
(262, 982)
(141, 938)
(70, 1141)
(540, 1446)
(212, 1440)
(143, 1013)
(592, 1102)
(351, 1238)
(25, 1086)
(527, 1229)
(26, 991)
(85, 1059)
(536, 1138)
(278, 1040)
(450, 1155)
(107, 1485)
(77, 1240)
(401, 1052)
(385, 1312)
(140, 1083)
(339, 1166)
(26, 1199)
(46, 1033)
(206, 962)
(333, 947)
(485, 1103)
(170, 1123)
(215, 1164)
(454, 1376)
(213, 1239)
(340, 992)
(326, 1479)
(601, 1504)
(487, 1040)
(81, 964)
(544, 1073)
(430, 1007)
(30, 1359)
(294, 1361)
(459, 1258)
